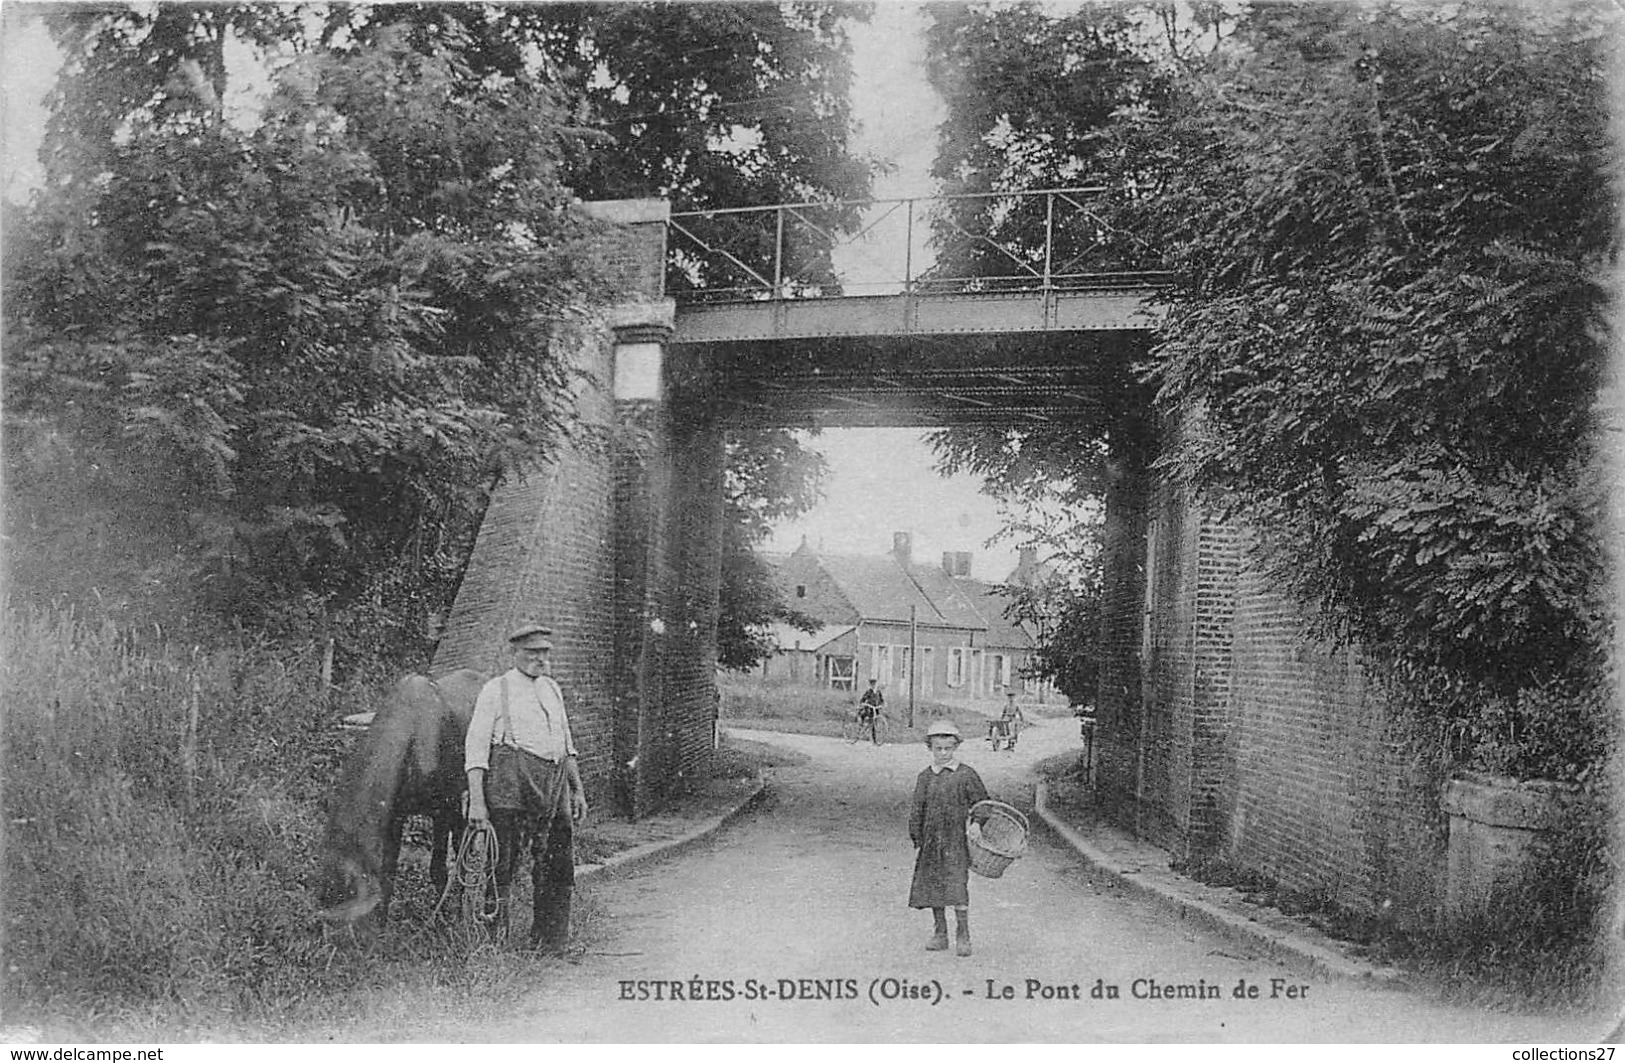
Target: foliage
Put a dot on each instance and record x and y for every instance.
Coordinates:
(278, 366)
(1042, 98)
(1066, 617)
(1391, 229)
(1035, 100)
(725, 105)
(271, 357)
(1393, 232)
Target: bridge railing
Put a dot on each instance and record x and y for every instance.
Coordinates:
(1045, 239)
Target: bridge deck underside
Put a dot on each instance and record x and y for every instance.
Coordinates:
(918, 380)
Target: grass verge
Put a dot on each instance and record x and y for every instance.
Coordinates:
(813, 711)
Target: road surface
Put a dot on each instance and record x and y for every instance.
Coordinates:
(791, 925)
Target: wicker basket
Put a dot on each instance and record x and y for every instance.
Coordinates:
(997, 835)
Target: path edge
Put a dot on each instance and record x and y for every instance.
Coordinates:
(653, 851)
(1296, 951)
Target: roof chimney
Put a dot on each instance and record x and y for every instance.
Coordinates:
(902, 547)
(956, 563)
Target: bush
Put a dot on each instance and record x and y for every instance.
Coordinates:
(148, 860)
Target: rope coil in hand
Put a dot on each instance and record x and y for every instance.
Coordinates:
(475, 875)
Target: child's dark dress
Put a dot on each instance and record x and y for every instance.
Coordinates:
(942, 800)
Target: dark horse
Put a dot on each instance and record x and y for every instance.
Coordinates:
(410, 762)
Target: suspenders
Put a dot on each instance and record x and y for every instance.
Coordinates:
(504, 720)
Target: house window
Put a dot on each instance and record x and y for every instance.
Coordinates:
(928, 675)
(801, 590)
(956, 666)
(978, 677)
(880, 663)
(1001, 671)
(842, 672)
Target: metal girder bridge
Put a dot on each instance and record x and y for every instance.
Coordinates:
(1031, 310)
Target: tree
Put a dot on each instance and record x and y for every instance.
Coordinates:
(1039, 100)
(1389, 228)
(1392, 237)
(771, 477)
(276, 365)
(708, 105)
(535, 105)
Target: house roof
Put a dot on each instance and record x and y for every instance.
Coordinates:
(880, 589)
(844, 589)
(790, 637)
(991, 602)
(954, 604)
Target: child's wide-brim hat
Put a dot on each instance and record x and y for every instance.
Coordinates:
(943, 727)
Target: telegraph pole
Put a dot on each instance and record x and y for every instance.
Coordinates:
(913, 657)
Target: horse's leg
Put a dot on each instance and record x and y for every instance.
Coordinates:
(392, 859)
(448, 824)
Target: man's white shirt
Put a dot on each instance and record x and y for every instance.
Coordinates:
(536, 719)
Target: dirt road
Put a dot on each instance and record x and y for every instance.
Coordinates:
(791, 925)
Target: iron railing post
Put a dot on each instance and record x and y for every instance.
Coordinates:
(778, 255)
(908, 249)
(1049, 235)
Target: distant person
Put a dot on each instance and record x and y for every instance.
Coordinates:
(870, 705)
(943, 796)
(1012, 718)
(522, 777)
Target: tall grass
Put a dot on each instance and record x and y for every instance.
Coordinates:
(783, 705)
(163, 809)
(163, 806)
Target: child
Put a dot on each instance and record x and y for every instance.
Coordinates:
(943, 796)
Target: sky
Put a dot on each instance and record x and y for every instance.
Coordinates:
(881, 479)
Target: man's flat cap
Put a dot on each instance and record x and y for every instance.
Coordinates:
(531, 635)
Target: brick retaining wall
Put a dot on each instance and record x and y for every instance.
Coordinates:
(542, 552)
(1227, 734)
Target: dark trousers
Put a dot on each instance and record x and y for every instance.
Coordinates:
(530, 804)
(552, 870)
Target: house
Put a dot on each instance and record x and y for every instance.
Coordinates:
(877, 612)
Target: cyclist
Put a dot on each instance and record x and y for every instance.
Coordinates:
(1008, 725)
(870, 706)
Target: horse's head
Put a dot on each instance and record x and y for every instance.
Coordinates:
(350, 894)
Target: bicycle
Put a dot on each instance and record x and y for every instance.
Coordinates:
(857, 728)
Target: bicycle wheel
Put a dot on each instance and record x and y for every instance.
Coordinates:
(882, 733)
(854, 729)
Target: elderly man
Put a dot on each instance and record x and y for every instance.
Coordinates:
(522, 776)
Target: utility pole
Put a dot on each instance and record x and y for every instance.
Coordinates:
(913, 657)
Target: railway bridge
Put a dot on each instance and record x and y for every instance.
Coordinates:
(741, 319)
